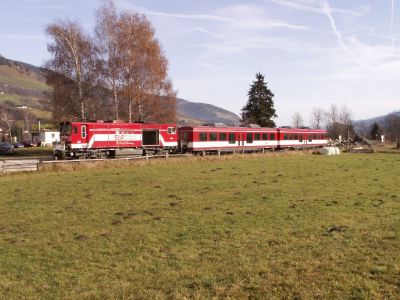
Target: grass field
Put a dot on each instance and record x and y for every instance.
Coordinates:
(277, 226)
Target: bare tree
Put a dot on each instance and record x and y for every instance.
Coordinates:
(123, 67)
(6, 122)
(317, 118)
(332, 117)
(73, 57)
(144, 67)
(392, 127)
(106, 30)
(345, 121)
(297, 120)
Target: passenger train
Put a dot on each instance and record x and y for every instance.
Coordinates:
(105, 139)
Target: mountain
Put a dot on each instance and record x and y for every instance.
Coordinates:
(364, 126)
(24, 86)
(204, 113)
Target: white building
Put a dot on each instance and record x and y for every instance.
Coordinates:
(46, 137)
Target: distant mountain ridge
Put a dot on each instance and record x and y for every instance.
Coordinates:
(366, 124)
(24, 84)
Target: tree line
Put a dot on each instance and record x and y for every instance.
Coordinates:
(119, 71)
(337, 121)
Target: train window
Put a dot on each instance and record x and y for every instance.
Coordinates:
(300, 137)
(310, 137)
(171, 130)
(83, 131)
(75, 129)
(213, 136)
(222, 136)
(315, 136)
(296, 136)
(272, 136)
(203, 136)
(285, 136)
(249, 138)
(256, 136)
(232, 138)
(264, 136)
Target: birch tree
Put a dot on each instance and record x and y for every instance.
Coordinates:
(73, 58)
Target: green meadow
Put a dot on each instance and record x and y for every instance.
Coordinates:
(238, 227)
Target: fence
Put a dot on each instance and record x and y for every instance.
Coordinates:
(8, 166)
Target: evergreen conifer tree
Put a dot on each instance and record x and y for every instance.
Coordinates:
(259, 109)
(375, 131)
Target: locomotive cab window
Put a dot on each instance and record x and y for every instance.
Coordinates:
(232, 138)
(65, 128)
(203, 136)
(171, 130)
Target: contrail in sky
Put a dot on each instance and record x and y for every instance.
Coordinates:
(327, 9)
(391, 23)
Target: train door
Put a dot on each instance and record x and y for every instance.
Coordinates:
(84, 135)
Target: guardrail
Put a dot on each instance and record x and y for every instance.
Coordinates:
(8, 166)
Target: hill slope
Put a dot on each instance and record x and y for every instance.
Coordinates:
(24, 84)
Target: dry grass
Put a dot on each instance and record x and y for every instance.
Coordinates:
(272, 226)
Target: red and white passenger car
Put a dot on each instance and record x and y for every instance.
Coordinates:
(232, 139)
(105, 139)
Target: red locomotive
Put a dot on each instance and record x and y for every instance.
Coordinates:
(106, 139)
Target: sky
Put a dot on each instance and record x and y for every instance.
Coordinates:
(313, 53)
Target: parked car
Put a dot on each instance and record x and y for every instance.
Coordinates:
(19, 145)
(28, 143)
(6, 148)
